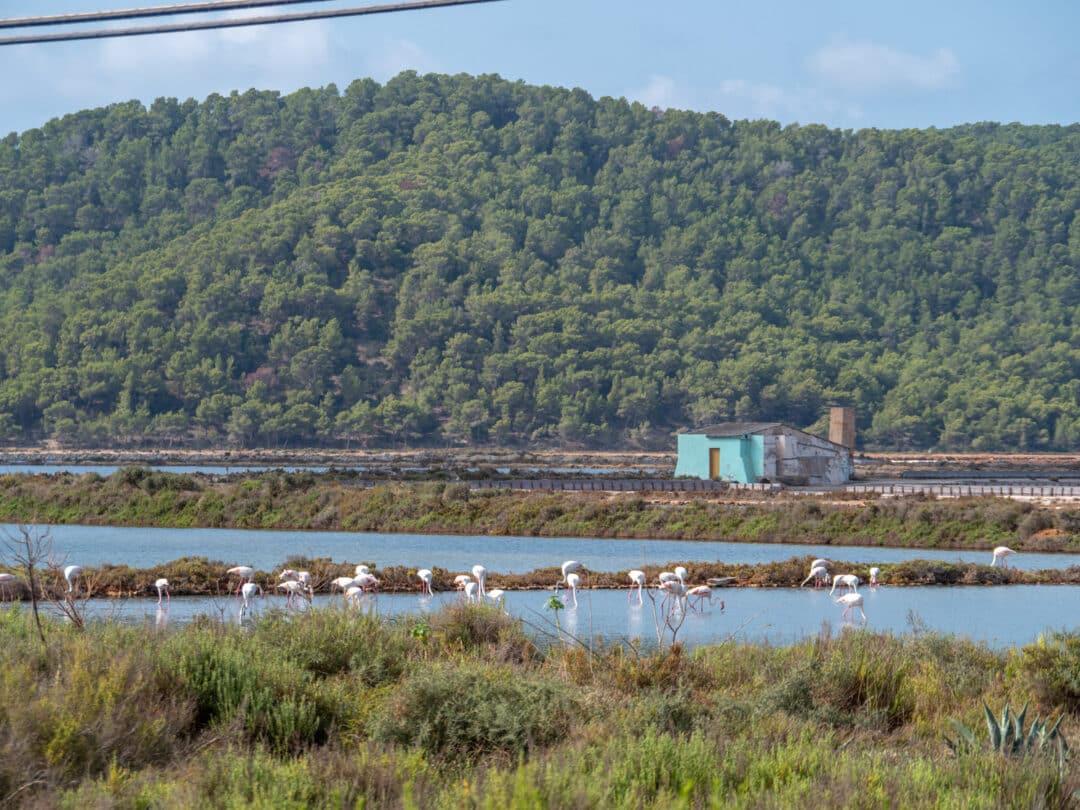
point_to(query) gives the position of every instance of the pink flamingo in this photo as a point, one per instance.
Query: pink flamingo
(567, 567)
(572, 583)
(246, 574)
(849, 581)
(162, 586)
(637, 578)
(480, 574)
(820, 575)
(249, 590)
(295, 589)
(850, 601)
(72, 573)
(1001, 554)
(698, 594)
(5, 580)
(425, 576)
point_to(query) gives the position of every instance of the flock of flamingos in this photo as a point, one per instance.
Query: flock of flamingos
(677, 594)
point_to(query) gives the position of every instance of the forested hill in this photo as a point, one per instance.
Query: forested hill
(466, 259)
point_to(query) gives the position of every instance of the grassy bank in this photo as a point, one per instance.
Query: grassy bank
(140, 497)
(459, 709)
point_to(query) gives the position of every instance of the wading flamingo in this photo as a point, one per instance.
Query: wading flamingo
(294, 589)
(850, 601)
(367, 582)
(567, 567)
(472, 591)
(246, 574)
(821, 562)
(637, 579)
(342, 583)
(875, 572)
(1001, 554)
(480, 575)
(425, 576)
(498, 596)
(248, 591)
(675, 589)
(572, 583)
(162, 586)
(845, 581)
(353, 594)
(72, 573)
(5, 580)
(678, 575)
(362, 569)
(820, 575)
(698, 594)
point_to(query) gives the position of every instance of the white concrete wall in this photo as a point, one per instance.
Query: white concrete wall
(813, 460)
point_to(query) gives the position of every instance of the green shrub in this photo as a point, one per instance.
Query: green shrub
(865, 675)
(1050, 669)
(233, 679)
(474, 711)
(330, 642)
(484, 629)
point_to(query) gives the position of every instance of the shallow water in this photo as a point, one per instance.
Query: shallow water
(1001, 617)
(106, 470)
(144, 548)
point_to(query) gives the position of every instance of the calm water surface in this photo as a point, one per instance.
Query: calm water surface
(1001, 617)
(143, 548)
(179, 469)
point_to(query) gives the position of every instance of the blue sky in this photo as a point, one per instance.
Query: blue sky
(844, 64)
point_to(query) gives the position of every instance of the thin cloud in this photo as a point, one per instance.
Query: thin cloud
(864, 66)
(272, 49)
(392, 56)
(660, 91)
(742, 98)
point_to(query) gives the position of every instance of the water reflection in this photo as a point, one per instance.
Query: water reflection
(1005, 616)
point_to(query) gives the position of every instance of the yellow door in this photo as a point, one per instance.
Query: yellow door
(714, 463)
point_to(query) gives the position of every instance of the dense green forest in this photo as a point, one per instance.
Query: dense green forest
(467, 260)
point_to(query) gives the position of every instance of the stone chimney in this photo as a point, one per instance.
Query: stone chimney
(842, 426)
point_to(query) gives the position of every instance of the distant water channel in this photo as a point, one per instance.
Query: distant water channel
(146, 547)
(106, 470)
(1000, 617)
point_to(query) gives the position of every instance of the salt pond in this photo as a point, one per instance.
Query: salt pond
(143, 548)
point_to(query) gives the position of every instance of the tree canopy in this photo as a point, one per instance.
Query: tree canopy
(471, 260)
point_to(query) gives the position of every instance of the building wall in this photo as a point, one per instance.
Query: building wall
(741, 457)
(811, 460)
(784, 454)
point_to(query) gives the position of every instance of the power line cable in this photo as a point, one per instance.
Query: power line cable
(152, 11)
(71, 36)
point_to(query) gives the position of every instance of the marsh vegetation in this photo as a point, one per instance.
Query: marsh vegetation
(461, 709)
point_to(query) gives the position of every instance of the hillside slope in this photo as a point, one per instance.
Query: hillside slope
(469, 260)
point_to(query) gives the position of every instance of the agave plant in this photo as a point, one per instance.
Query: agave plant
(1008, 737)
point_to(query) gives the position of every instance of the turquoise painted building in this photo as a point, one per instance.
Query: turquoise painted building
(751, 452)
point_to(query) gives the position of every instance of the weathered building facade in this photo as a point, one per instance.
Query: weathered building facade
(749, 452)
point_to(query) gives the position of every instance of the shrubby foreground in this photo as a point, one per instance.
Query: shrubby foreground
(462, 709)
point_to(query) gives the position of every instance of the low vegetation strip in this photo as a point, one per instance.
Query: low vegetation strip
(460, 709)
(199, 576)
(137, 496)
